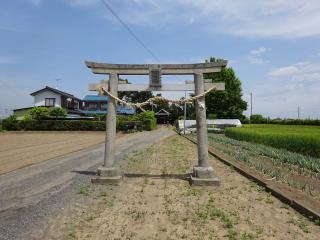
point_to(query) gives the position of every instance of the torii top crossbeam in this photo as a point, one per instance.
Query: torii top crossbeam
(166, 69)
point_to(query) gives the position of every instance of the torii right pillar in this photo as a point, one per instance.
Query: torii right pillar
(203, 173)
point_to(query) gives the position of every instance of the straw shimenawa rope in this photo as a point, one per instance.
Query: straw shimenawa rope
(150, 100)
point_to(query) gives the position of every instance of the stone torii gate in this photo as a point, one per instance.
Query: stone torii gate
(203, 173)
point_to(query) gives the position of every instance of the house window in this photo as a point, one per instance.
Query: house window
(92, 106)
(50, 102)
(76, 104)
(104, 106)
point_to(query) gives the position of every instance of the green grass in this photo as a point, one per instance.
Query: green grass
(296, 138)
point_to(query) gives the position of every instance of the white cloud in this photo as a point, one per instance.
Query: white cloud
(272, 18)
(256, 56)
(299, 72)
(276, 98)
(284, 71)
(259, 51)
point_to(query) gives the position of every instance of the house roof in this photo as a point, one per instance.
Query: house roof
(68, 95)
(162, 112)
(120, 110)
(19, 109)
(95, 98)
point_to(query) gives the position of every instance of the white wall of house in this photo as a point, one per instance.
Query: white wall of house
(39, 98)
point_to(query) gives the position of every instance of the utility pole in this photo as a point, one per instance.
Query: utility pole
(298, 112)
(250, 104)
(185, 113)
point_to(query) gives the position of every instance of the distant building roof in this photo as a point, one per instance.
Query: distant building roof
(20, 109)
(162, 112)
(95, 98)
(68, 95)
(120, 110)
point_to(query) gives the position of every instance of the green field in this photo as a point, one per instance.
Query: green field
(296, 138)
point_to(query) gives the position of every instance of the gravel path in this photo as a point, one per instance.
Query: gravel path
(30, 197)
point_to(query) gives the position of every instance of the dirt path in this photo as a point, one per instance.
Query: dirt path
(147, 208)
(31, 196)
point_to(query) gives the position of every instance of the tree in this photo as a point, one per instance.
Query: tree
(228, 103)
(175, 111)
(39, 113)
(257, 118)
(57, 112)
(135, 96)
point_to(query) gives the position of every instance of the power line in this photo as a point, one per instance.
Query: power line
(129, 30)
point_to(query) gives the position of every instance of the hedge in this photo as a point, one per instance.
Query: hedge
(143, 121)
(62, 125)
(259, 119)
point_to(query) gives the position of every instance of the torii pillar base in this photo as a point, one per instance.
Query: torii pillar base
(108, 176)
(203, 176)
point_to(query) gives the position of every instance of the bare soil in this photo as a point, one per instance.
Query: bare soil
(20, 149)
(149, 208)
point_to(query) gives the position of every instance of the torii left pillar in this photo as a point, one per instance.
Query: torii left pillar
(109, 173)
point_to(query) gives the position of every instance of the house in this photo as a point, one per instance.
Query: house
(51, 97)
(75, 107)
(97, 104)
(162, 116)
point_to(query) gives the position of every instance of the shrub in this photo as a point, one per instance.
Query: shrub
(33, 122)
(62, 125)
(257, 118)
(11, 123)
(39, 113)
(148, 120)
(212, 116)
(100, 117)
(57, 112)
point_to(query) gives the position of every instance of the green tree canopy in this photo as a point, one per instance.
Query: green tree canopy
(135, 96)
(57, 112)
(39, 113)
(228, 103)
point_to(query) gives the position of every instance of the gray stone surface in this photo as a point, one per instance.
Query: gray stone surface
(143, 69)
(111, 123)
(202, 135)
(107, 180)
(204, 181)
(109, 172)
(163, 87)
(203, 172)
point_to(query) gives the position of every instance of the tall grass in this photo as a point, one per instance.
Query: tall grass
(300, 139)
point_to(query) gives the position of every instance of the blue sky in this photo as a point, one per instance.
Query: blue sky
(272, 45)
